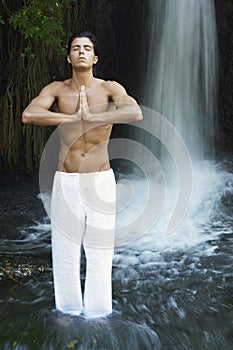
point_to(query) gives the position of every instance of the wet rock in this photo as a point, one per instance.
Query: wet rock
(224, 16)
(19, 202)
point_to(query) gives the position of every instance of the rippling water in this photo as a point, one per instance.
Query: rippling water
(169, 291)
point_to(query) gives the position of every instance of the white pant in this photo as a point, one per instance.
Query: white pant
(83, 212)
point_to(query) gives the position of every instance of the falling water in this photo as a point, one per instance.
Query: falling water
(181, 70)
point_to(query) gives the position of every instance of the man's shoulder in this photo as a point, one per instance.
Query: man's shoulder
(113, 87)
(60, 84)
(55, 87)
(111, 83)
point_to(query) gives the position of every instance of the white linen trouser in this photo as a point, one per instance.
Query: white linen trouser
(83, 212)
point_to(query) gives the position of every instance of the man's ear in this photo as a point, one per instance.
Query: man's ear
(68, 59)
(96, 59)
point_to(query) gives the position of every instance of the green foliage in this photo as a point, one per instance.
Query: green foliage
(1, 20)
(27, 53)
(41, 21)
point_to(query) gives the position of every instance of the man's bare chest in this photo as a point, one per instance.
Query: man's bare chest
(69, 102)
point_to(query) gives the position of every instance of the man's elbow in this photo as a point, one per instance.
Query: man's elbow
(138, 114)
(26, 117)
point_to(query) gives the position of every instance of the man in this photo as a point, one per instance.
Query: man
(83, 196)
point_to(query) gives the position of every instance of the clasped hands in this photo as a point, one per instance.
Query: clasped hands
(84, 112)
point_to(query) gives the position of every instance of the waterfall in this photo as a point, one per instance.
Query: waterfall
(181, 70)
(178, 127)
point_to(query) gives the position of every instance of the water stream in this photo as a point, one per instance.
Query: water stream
(181, 77)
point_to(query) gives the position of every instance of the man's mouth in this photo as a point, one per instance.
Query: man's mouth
(82, 59)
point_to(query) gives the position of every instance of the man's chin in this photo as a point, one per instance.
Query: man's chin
(82, 67)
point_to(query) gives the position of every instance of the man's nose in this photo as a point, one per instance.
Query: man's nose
(81, 51)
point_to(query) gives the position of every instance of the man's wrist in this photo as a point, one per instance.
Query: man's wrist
(87, 117)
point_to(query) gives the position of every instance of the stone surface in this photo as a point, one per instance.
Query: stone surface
(224, 16)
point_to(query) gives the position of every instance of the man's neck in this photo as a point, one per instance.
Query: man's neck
(82, 78)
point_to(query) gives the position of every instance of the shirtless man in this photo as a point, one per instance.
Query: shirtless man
(82, 109)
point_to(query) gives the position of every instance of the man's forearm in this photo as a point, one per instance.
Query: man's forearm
(126, 114)
(41, 116)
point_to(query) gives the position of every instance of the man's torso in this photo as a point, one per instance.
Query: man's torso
(84, 146)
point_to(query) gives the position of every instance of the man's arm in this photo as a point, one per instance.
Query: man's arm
(37, 112)
(127, 109)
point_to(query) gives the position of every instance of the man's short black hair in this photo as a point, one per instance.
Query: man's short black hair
(85, 34)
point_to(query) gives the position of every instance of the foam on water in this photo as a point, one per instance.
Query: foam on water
(205, 220)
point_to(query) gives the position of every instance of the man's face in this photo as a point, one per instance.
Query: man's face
(82, 53)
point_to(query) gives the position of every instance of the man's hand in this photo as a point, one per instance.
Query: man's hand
(84, 108)
(83, 112)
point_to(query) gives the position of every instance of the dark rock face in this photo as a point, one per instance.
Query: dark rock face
(224, 14)
(120, 30)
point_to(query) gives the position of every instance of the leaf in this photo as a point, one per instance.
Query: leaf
(72, 344)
